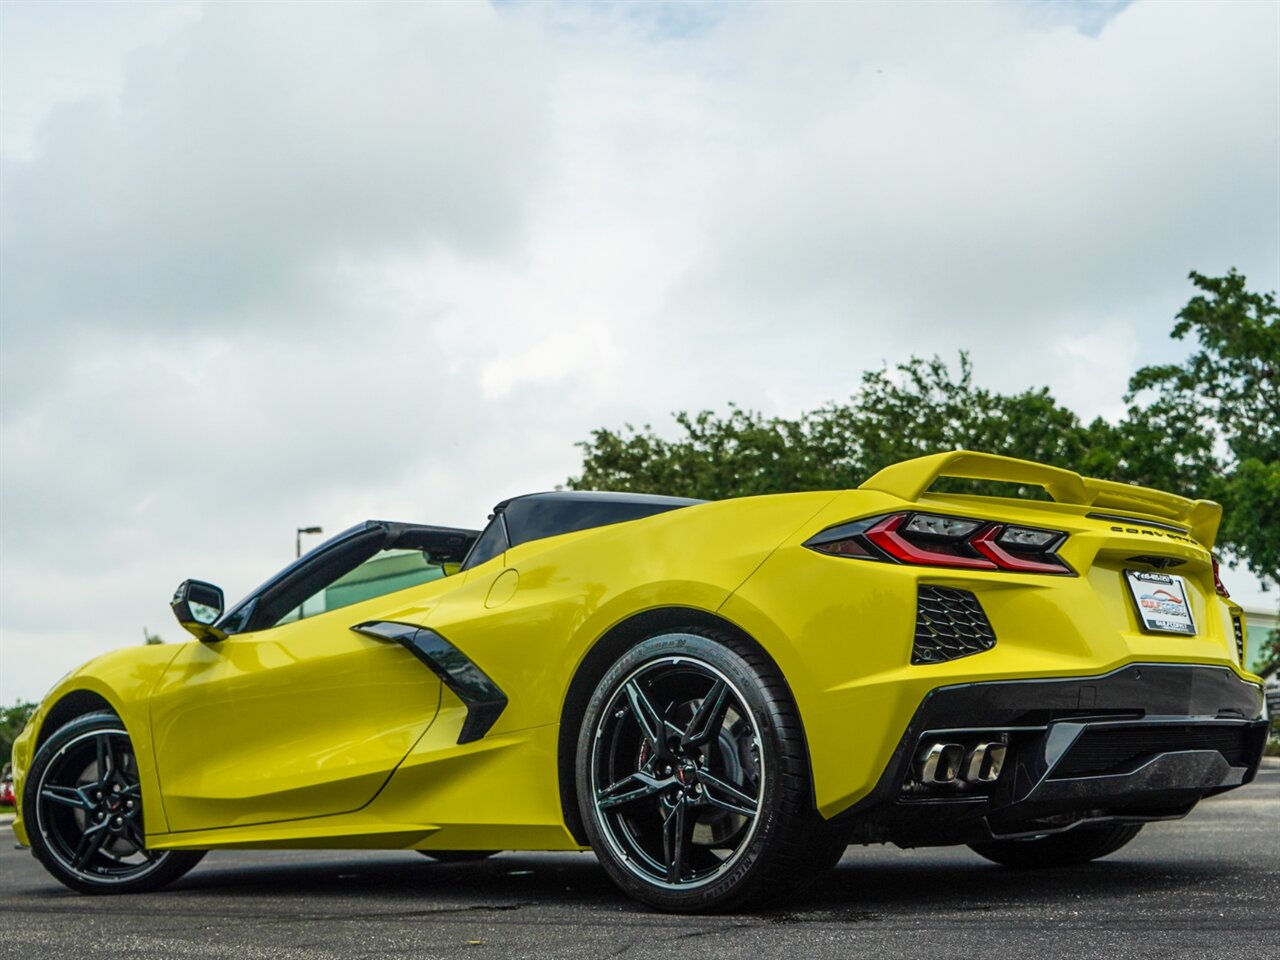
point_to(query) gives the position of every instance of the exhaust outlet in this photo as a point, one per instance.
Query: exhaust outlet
(939, 762)
(985, 763)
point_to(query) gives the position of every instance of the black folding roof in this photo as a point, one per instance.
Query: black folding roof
(538, 515)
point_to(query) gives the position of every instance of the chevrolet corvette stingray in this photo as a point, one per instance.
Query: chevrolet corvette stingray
(717, 698)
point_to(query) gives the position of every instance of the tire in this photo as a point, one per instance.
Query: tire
(82, 804)
(692, 777)
(1060, 849)
(458, 856)
(827, 845)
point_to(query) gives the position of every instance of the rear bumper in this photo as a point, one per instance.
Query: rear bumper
(1145, 742)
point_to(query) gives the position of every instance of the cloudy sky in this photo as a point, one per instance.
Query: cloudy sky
(273, 265)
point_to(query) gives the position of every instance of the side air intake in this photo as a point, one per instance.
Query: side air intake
(949, 624)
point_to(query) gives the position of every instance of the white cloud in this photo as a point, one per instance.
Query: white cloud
(67, 52)
(1095, 365)
(270, 265)
(260, 145)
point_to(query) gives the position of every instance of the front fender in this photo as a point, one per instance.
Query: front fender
(123, 679)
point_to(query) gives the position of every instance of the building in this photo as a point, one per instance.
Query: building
(1258, 622)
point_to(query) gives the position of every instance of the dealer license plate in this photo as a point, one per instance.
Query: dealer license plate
(1162, 602)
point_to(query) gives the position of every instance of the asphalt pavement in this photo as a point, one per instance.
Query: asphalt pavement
(1206, 886)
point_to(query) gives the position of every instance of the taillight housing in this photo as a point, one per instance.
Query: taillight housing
(1218, 585)
(936, 540)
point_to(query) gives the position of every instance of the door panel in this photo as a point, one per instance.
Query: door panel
(304, 719)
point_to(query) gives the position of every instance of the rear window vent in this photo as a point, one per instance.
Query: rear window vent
(949, 624)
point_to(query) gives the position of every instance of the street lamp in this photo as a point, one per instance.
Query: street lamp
(298, 540)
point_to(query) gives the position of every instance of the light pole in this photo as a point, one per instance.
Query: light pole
(298, 539)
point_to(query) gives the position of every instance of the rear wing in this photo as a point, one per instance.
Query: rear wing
(911, 478)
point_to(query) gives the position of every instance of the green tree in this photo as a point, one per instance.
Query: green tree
(12, 720)
(1232, 383)
(916, 408)
(1207, 427)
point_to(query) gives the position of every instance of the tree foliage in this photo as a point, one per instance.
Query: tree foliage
(1207, 427)
(12, 720)
(1232, 382)
(916, 408)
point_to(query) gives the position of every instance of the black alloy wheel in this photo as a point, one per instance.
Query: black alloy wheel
(677, 773)
(693, 778)
(82, 806)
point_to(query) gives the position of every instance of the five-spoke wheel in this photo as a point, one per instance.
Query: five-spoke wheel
(676, 772)
(83, 807)
(692, 778)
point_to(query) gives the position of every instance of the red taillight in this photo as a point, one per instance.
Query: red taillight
(1218, 585)
(885, 536)
(847, 548)
(925, 539)
(985, 544)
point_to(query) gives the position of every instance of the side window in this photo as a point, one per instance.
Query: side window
(491, 543)
(371, 559)
(383, 573)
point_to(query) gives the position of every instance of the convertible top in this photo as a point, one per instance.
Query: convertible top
(536, 516)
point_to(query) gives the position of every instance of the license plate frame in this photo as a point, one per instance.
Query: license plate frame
(1161, 602)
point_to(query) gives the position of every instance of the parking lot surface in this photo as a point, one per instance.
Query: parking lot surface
(1206, 886)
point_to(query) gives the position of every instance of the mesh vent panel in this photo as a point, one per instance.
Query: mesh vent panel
(949, 624)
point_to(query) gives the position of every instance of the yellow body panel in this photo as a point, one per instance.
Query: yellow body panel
(124, 679)
(847, 658)
(309, 734)
(306, 719)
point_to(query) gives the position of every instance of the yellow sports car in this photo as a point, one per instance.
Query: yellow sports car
(715, 697)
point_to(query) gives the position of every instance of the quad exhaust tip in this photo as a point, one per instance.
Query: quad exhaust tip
(947, 762)
(985, 763)
(940, 762)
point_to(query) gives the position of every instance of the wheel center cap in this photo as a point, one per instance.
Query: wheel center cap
(686, 772)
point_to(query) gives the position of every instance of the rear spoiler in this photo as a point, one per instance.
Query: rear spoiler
(911, 478)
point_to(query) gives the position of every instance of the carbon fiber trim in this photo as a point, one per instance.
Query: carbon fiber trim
(483, 698)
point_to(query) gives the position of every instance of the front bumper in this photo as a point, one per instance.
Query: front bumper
(1145, 742)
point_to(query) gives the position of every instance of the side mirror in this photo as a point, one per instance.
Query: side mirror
(198, 605)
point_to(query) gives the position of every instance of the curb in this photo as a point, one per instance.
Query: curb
(1271, 761)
